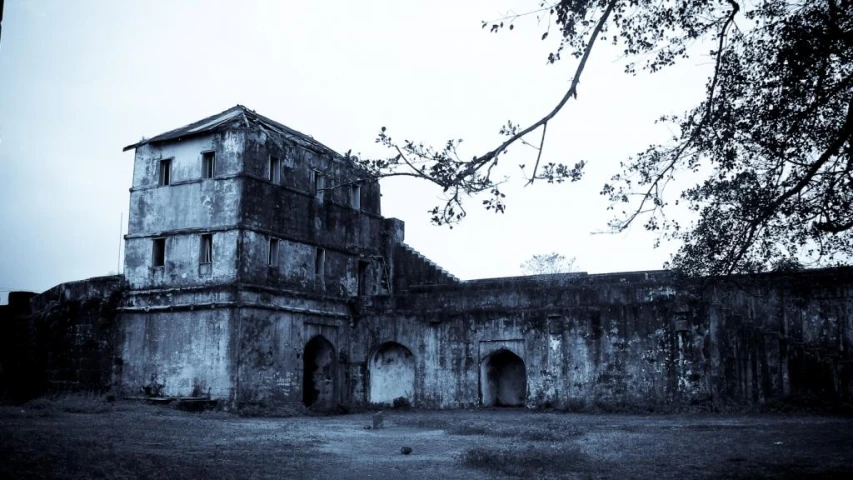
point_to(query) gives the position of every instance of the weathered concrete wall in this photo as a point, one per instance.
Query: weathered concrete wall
(278, 363)
(183, 267)
(635, 339)
(201, 204)
(61, 340)
(339, 274)
(186, 158)
(793, 336)
(178, 353)
(298, 165)
(392, 374)
(184, 210)
(291, 210)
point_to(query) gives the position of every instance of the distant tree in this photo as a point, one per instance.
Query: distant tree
(548, 263)
(786, 265)
(773, 136)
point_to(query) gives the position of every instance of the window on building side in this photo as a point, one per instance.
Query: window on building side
(361, 278)
(158, 253)
(274, 170)
(319, 185)
(272, 252)
(165, 172)
(320, 263)
(206, 249)
(208, 164)
(355, 197)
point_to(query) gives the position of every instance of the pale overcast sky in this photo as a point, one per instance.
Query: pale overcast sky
(81, 79)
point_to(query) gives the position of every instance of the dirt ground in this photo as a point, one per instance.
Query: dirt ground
(129, 440)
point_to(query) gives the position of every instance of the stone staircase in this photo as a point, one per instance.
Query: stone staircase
(413, 268)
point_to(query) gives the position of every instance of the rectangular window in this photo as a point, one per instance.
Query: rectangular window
(320, 263)
(355, 197)
(165, 172)
(362, 278)
(274, 170)
(272, 252)
(158, 253)
(206, 249)
(319, 185)
(208, 164)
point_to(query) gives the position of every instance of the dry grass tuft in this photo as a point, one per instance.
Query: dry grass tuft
(531, 462)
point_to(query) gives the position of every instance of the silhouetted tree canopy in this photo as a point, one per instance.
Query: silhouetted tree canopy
(772, 138)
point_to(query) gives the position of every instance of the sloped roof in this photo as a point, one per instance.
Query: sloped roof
(237, 115)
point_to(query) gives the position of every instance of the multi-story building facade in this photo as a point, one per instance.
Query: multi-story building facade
(243, 231)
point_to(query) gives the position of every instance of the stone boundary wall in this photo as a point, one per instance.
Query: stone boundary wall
(64, 341)
(637, 339)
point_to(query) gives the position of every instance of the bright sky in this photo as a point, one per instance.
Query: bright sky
(80, 80)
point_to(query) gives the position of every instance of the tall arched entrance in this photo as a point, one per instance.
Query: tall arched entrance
(503, 380)
(392, 374)
(318, 374)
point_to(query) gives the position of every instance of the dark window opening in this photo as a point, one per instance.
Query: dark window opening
(159, 252)
(272, 252)
(320, 263)
(362, 278)
(208, 164)
(355, 197)
(206, 249)
(274, 170)
(165, 172)
(319, 185)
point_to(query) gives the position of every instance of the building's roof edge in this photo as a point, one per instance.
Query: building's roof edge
(196, 128)
(249, 116)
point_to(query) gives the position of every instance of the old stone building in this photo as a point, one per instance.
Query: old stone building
(259, 271)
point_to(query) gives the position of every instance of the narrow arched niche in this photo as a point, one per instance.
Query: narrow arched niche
(318, 374)
(503, 380)
(392, 374)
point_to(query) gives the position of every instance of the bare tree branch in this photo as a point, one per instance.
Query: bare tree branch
(571, 92)
(539, 155)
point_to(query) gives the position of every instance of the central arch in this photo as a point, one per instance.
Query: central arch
(318, 374)
(503, 380)
(392, 374)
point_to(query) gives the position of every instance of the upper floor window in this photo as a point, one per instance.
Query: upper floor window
(355, 197)
(208, 164)
(319, 185)
(158, 253)
(206, 249)
(274, 170)
(272, 252)
(165, 172)
(320, 263)
(361, 278)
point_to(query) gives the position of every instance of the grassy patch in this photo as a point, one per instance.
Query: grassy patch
(531, 431)
(531, 462)
(69, 403)
(141, 441)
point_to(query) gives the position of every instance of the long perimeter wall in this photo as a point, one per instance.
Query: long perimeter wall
(637, 339)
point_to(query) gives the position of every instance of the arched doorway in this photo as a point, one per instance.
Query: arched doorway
(503, 380)
(318, 374)
(392, 374)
